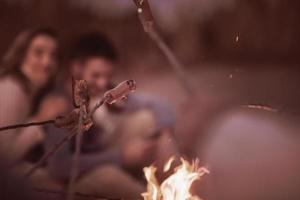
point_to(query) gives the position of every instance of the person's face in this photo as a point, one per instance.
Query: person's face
(97, 72)
(40, 62)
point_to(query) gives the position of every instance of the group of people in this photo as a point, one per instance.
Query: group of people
(125, 137)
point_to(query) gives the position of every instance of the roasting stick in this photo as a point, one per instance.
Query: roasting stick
(15, 126)
(39, 123)
(146, 18)
(111, 96)
(69, 121)
(75, 160)
(52, 151)
(178, 68)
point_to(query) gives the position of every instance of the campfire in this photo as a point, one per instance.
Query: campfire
(177, 185)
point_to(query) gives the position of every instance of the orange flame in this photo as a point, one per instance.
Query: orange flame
(177, 185)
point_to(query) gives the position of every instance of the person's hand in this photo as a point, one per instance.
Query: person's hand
(51, 107)
(138, 152)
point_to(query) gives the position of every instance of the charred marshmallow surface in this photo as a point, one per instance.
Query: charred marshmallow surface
(120, 91)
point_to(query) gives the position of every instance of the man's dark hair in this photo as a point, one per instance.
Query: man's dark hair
(93, 44)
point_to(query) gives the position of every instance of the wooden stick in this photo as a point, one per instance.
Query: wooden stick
(57, 146)
(52, 151)
(172, 59)
(146, 19)
(75, 160)
(98, 104)
(15, 126)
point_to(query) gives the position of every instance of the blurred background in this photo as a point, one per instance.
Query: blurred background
(248, 48)
(235, 52)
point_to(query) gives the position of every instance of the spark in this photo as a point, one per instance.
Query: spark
(261, 107)
(237, 39)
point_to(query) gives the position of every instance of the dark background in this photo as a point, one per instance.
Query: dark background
(268, 30)
(262, 67)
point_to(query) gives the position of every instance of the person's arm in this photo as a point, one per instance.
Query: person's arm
(14, 109)
(61, 163)
(27, 139)
(14, 106)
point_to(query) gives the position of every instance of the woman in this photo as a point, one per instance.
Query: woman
(27, 67)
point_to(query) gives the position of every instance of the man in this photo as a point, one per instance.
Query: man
(125, 136)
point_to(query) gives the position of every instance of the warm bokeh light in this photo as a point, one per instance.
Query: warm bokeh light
(177, 185)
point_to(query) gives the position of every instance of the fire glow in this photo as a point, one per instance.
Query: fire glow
(177, 185)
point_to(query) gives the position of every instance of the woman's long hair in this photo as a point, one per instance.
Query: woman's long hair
(14, 57)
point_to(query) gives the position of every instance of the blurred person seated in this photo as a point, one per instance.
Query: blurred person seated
(27, 67)
(125, 137)
(251, 151)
